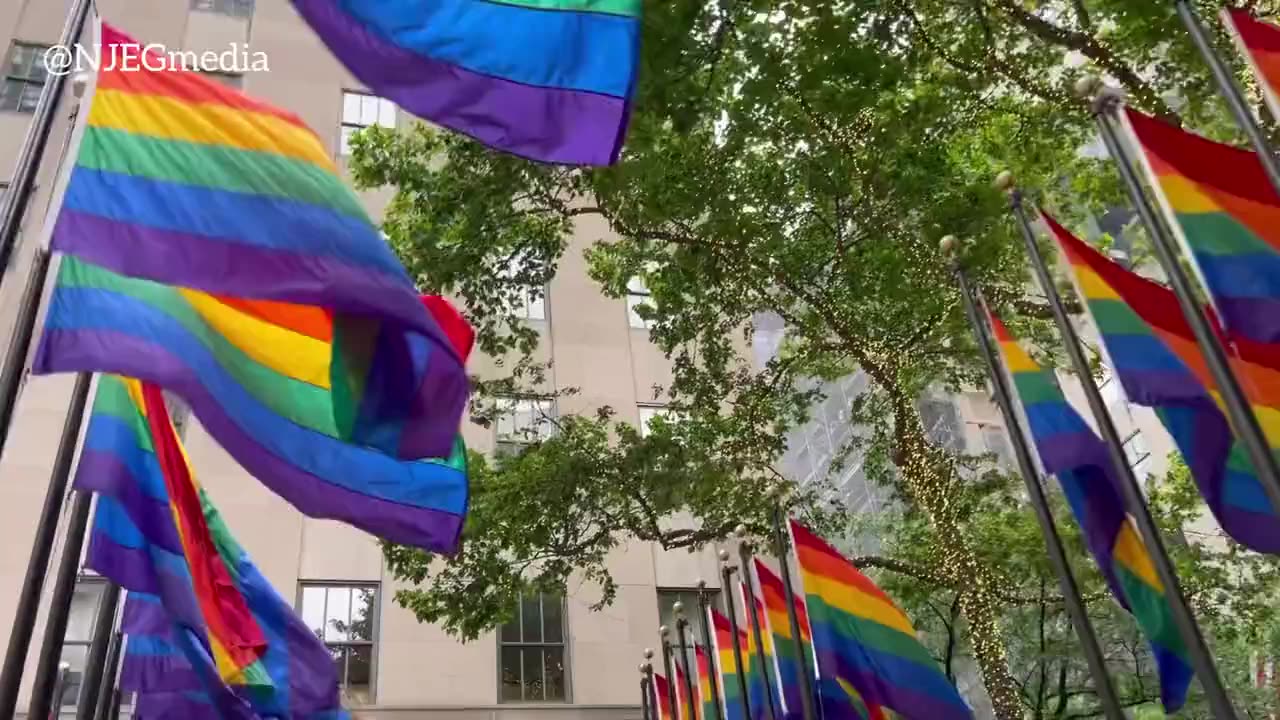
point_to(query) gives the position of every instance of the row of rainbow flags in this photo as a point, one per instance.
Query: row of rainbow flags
(210, 249)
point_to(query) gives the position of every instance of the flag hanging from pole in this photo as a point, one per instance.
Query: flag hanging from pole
(777, 622)
(706, 676)
(723, 642)
(1151, 350)
(763, 675)
(550, 80)
(1259, 43)
(686, 711)
(1068, 449)
(662, 697)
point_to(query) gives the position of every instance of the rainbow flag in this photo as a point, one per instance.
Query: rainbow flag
(706, 675)
(722, 640)
(761, 676)
(1152, 351)
(155, 532)
(1223, 208)
(1070, 450)
(777, 623)
(219, 354)
(862, 639)
(682, 703)
(550, 80)
(1259, 42)
(182, 181)
(662, 697)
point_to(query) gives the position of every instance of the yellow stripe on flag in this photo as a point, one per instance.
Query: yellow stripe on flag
(855, 602)
(1130, 552)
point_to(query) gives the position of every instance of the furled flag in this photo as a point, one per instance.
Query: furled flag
(1259, 42)
(722, 642)
(1152, 351)
(1070, 450)
(682, 696)
(862, 638)
(1223, 208)
(706, 698)
(155, 532)
(550, 80)
(662, 697)
(182, 181)
(251, 371)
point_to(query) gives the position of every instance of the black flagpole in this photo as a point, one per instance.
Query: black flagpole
(104, 625)
(646, 669)
(712, 667)
(24, 618)
(1057, 555)
(753, 618)
(726, 574)
(1243, 422)
(1230, 91)
(110, 676)
(665, 632)
(1184, 619)
(784, 566)
(22, 187)
(681, 624)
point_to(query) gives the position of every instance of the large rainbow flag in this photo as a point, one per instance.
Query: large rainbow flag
(1259, 42)
(156, 533)
(219, 355)
(1069, 449)
(1227, 214)
(185, 182)
(1152, 351)
(862, 639)
(550, 80)
(722, 641)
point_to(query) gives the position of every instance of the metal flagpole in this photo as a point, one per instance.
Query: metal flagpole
(753, 618)
(104, 625)
(712, 668)
(110, 677)
(651, 694)
(1057, 555)
(665, 632)
(726, 573)
(645, 669)
(780, 540)
(23, 182)
(24, 618)
(681, 624)
(1231, 92)
(1201, 659)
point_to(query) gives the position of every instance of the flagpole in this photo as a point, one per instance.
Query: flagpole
(712, 670)
(1230, 91)
(726, 573)
(681, 623)
(36, 142)
(104, 625)
(646, 668)
(1184, 619)
(753, 618)
(24, 618)
(1243, 421)
(793, 618)
(665, 632)
(110, 677)
(1057, 555)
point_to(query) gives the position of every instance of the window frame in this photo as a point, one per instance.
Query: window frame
(9, 75)
(524, 308)
(99, 585)
(375, 608)
(638, 294)
(521, 439)
(692, 613)
(564, 645)
(1139, 461)
(344, 139)
(226, 8)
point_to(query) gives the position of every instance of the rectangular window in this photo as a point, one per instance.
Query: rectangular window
(234, 81)
(362, 110)
(234, 8)
(693, 631)
(648, 413)
(24, 77)
(75, 644)
(531, 652)
(530, 302)
(1138, 454)
(522, 422)
(637, 295)
(344, 617)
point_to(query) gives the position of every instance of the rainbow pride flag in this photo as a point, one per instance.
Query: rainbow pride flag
(1223, 208)
(662, 697)
(862, 639)
(182, 181)
(220, 355)
(1069, 449)
(760, 676)
(789, 663)
(722, 642)
(1152, 351)
(706, 675)
(682, 697)
(550, 80)
(1259, 43)
(156, 533)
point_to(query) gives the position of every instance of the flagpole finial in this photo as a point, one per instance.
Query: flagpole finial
(677, 608)
(1088, 86)
(1005, 182)
(648, 654)
(724, 556)
(644, 668)
(948, 245)
(740, 530)
(663, 630)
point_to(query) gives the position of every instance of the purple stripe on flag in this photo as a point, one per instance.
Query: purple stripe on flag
(134, 569)
(158, 673)
(104, 473)
(85, 351)
(142, 617)
(545, 124)
(902, 700)
(159, 706)
(1256, 317)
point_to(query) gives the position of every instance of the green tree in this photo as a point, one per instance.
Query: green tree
(800, 157)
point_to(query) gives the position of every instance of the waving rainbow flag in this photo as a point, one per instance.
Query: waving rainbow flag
(1259, 42)
(1070, 450)
(1224, 209)
(722, 640)
(1152, 351)
(550, 80)
(182, 181)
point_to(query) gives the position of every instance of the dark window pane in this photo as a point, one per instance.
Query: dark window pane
(10, 94)
(30, 97)
(511, 674)
(511, 630)
(340, 663)
(532, 662)
(360, 673)
(554, 668)
(532, 619)
(552, 620)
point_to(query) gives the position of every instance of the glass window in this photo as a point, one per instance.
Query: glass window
(693, 631)
(648, 413)
(24, 77)
(231, 80)
(343, 617)
(75, 644)
(531, 652)
(362, 110)
(234, 8)
(530, 303)
(523, 421)
(1138, 454)
(637, 295)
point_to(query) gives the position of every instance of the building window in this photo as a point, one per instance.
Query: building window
(532, 652)
(1112, 393)
(522, 422)
(24, 78)
(362, 110)
(530, 301)
(75, 644)
(235, 81)
(637, 295)
(693, 631)
(1138, 454)
(343, 617)
(648, 413)
(234, 8)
